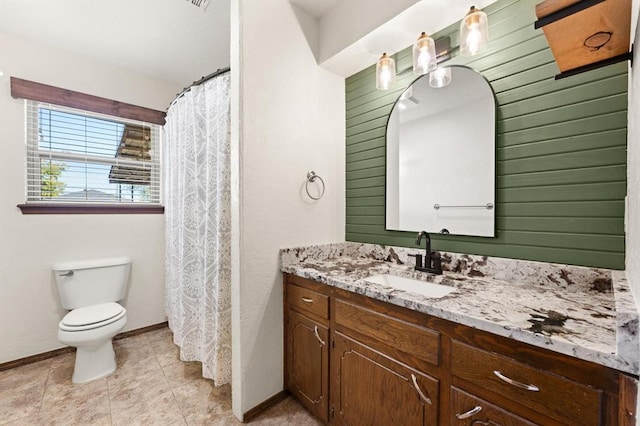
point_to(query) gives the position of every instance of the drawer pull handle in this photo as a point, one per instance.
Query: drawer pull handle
(422, 395)
(307, 300)
(475, 410)
(315, 330)
(512, 382)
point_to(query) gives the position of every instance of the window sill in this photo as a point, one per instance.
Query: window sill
(46, 208)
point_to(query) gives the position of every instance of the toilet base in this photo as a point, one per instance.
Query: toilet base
(95, 357)
(93, 363)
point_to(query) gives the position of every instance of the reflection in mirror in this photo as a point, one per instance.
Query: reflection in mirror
(441, 157)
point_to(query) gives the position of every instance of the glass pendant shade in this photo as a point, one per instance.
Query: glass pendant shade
(424, 54)
(474, 32)
(385, 72)
(440, 77)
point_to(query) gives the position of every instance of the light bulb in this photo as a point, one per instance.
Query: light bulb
(474, 39)
(385, 77)
(424, 58)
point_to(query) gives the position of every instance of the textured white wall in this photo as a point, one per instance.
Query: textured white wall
(30, 244)
(288, 119)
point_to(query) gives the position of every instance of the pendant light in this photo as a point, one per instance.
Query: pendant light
(385, 72)
(474, 33)
(424, 54)
(440, 77)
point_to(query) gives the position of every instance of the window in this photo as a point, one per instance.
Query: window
(87, 154)
(85, 158)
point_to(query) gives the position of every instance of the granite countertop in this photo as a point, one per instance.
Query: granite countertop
(588, 313)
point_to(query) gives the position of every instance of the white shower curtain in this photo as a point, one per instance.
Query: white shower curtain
(198, 227)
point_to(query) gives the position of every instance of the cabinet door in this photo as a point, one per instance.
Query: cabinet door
(370, 388)
(467, 409)
(308, 363)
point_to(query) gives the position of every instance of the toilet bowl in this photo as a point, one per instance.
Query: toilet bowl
(90, 329)
(90, 290)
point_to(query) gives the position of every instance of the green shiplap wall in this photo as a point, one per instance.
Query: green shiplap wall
(561, 150)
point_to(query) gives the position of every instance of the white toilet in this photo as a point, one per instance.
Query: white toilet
(90, 289)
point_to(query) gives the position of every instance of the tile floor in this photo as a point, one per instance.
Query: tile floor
(151, 387)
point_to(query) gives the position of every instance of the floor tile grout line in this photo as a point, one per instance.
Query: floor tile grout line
(46, 385)
(164, 373)
(109, 396)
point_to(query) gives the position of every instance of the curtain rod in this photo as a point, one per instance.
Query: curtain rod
(204, 79)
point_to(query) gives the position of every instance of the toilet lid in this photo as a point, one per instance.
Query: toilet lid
(84, 318)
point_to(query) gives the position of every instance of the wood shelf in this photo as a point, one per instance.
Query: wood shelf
(586, 34)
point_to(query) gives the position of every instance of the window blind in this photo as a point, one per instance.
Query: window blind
(74, 156)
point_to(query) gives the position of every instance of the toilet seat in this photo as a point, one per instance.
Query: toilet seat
(91, 317)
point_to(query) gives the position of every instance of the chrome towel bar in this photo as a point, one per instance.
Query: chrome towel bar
(487, 206)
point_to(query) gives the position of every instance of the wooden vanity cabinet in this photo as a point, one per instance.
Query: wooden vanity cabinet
(381, 364)
(307, 348)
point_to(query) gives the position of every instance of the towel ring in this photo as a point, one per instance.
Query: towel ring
(311, 177)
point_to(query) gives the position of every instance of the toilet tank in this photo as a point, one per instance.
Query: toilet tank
(91, 282)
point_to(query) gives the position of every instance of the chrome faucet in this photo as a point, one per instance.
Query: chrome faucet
(432, 262)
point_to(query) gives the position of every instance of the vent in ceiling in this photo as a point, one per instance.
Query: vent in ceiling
(202, 4)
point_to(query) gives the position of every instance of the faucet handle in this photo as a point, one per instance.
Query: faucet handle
(418, 259)
(437, 261)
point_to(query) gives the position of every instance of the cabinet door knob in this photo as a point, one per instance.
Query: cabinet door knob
(532, 388)
(422, 395)
(307, 300)
(475, 410)
(315, 330)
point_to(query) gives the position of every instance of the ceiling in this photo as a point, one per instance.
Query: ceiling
(168, 39)
(176, 41)
(316, 8)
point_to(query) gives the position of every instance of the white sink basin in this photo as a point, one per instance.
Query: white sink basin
(422, 288)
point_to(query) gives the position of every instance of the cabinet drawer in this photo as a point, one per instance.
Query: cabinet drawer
(417, 341)
(309, 301)
(548, 394)
(467, 409)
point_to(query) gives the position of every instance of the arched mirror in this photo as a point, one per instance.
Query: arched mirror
(441, 155)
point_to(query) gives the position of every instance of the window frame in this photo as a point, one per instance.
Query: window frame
(38, 92)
